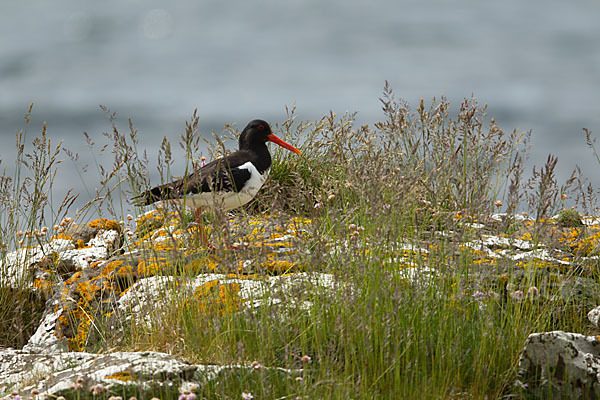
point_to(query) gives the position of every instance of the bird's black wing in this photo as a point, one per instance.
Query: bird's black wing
(224, 178)
(223, 174)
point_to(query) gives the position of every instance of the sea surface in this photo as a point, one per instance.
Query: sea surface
(535, 63)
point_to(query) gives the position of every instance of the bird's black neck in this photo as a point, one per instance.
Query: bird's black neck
(260, 156)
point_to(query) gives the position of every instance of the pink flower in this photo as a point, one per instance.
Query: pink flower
(187, 395)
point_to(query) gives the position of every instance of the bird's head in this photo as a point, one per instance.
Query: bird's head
(259, 131)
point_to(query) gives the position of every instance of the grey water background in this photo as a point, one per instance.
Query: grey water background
(536, 64)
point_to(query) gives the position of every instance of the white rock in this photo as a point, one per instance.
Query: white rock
(594, 316)
(44, 338)
(55, 373)
(540, 254)
(570, 362)
(163, 291)
(500, 241)
(518, 217)
(474, 225)
(590, 220)
(15, 265)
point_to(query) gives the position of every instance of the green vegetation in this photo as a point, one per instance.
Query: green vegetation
(569, 218)
(417, 314)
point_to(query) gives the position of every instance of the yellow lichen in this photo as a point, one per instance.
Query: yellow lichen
(215, 298)
(526, 236)
(124, 376)
(152, 220)
(125, 271)
(201, 265)
(44, 286)
(62, 236)
(80, 318)
(87, 290)
(279, 266)
(151, 267)
(110, 267)
(75, 277)
(106, 224)
(579, 244)
(77, 343)
(166, 245)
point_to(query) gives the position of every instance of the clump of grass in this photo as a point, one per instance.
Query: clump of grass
(418, 168)
(570, 218)
(27, 208)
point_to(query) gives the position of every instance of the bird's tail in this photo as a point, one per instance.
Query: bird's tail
(148, 197)
(140, 200)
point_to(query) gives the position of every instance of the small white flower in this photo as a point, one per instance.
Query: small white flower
(478, 295)
(256, 365)
(533, 291)
(517, 295)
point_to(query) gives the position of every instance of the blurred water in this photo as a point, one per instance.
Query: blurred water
(535, 63)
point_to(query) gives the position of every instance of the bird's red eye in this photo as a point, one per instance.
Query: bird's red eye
(261, 127)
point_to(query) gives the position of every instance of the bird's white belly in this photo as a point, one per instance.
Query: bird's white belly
(229, 200)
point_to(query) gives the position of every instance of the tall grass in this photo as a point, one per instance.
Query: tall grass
(416, 314)
(26, 207)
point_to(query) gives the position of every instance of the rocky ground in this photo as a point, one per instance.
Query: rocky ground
(106, 273)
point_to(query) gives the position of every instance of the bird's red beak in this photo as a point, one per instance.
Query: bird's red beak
(283, 144)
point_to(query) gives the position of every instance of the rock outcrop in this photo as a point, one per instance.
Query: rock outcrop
(106, 273)
(561, 365)
(101, 272)
(125, 374)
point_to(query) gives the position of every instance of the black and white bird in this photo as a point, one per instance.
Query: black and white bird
(226, 183)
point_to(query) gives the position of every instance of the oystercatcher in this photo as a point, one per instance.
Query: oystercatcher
(226, 183)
